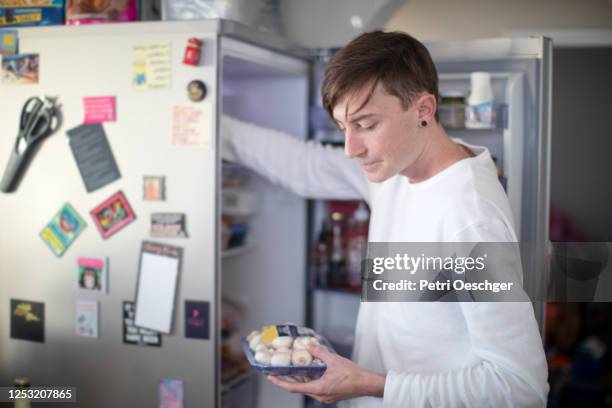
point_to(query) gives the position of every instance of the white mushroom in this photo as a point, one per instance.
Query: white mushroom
(282, 342)
(281, 358)
(301, 357)
(301, 342)
(252, 334)
(263, 357)
(261, 347)
(255, 340)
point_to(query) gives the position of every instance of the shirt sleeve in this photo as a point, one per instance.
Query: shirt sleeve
(306, 168)
(512, 369)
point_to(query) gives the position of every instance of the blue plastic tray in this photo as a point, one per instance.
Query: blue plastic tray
(301, 373)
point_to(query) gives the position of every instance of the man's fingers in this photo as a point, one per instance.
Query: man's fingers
(302, 388)
(320, 352)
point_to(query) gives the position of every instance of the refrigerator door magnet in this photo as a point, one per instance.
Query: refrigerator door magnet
(93, 156)
(168, 225)
(196, 90)
(8, 41)
(113, 214)
(39, 119)
(154, 188)
(20, 69)
(192, 52)
(63, 229)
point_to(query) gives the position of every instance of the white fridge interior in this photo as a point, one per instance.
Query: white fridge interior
(267, 277)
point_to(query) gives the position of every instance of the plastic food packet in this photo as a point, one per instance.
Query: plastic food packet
(280, 350)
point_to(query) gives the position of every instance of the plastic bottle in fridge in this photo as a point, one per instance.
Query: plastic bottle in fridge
(480, 112)
(357, 242)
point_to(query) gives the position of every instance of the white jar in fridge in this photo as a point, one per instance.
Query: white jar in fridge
(480, 112)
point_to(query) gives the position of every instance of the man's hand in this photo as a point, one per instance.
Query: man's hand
(342, 380)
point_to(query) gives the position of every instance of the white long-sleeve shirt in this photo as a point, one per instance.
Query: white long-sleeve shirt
(433, 354)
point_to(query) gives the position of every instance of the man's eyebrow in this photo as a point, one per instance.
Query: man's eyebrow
(362, 117)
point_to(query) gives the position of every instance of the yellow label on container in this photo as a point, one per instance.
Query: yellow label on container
(268, 334)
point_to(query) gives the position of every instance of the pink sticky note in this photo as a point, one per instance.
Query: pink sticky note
(99, 109)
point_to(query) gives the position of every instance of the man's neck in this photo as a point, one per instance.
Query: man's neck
(439, 153)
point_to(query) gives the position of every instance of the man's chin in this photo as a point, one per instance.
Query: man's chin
(377, 177)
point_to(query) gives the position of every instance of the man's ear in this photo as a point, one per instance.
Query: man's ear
(426, 106)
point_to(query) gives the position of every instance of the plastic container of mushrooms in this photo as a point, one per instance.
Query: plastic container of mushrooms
(281, 350)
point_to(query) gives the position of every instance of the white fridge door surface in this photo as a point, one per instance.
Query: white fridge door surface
(78, 62)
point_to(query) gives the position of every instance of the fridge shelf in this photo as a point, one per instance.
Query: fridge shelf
(237, 251)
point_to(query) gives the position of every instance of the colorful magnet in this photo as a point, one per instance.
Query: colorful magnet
(63, 229)
(154, 188)
(99, 109)
(169, 225)
(113, 214)
(192, 52)
(8, 42)
(197, 319)
(20, 69)
(27, 320)
(196, 90)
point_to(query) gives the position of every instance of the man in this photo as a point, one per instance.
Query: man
(381, 90)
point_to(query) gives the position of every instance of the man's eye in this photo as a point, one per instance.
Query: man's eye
(367, 126)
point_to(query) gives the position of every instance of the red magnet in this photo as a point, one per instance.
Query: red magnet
(192, 52)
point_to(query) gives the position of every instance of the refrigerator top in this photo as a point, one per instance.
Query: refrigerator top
(222, 27)
(489, 49)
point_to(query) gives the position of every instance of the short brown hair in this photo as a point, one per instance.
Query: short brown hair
(395, 59)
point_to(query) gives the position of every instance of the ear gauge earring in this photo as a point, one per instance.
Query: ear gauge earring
(423, 124)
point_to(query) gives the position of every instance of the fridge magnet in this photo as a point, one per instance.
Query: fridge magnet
(39, 119)
(190, 127)
(20, 69)
(65, 226)
(8, 42)
(156, 288)
(197, 319)
(170, 393)
(151, 66)
(154, 188)
(196, 90)
(192, 52)
(99, 109)
(113, 214)
(27, 320)
(87, 318)
(93, 156)
(93, 274)
(168, 225)
(136, 335)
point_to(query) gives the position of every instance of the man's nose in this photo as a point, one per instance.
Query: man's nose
(353, 144)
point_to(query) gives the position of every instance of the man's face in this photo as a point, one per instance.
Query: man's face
(382, 135)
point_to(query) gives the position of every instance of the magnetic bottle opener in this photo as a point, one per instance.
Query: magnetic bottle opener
(39, 119)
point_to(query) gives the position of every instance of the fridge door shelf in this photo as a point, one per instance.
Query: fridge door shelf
(237, 251)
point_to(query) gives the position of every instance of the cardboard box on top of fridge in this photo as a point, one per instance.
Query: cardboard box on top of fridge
(23, 13)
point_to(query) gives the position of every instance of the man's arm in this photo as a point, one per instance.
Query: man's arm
(307, 169)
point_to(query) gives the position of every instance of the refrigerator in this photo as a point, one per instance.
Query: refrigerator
(257, 78)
